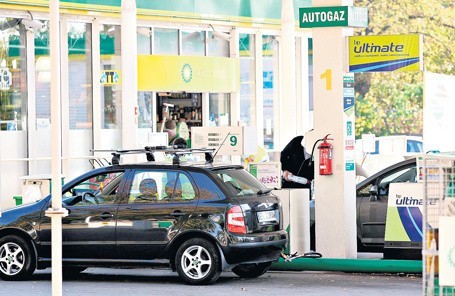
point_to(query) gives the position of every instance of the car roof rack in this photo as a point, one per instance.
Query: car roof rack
(177, 151)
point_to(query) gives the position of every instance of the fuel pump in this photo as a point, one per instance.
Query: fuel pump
(325, 156)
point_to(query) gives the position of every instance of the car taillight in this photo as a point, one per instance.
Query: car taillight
(235, 220)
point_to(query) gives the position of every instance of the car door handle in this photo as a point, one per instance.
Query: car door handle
(106, 216)
(177, 214)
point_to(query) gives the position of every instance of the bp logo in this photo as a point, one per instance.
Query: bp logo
(5, 79)
(187, 73)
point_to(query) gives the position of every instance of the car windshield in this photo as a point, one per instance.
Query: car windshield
(240, 183)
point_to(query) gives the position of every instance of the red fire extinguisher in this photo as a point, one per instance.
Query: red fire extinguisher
(325, 157)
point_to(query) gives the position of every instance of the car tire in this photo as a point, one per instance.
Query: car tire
(251, 270)
(198, 262)
(17, 259)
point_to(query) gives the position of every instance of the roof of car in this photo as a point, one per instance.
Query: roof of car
(202, 165)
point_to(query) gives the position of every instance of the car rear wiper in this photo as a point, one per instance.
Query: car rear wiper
(261, 192)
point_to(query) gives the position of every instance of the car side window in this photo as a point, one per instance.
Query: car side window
(184, 190)
(100, 189)
(365, 190)
(408, 174)
(208, 190)
(160, 187)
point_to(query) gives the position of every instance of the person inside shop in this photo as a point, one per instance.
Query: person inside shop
(296, 161)
(179, 143)
(170, 129)
(183, 131)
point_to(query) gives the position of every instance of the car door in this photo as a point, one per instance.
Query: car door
(89, 229)
(159, 202)
(372, 201)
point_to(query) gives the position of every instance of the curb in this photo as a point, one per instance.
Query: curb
(350, 265)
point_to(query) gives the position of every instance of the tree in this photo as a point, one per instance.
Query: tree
(392, 103)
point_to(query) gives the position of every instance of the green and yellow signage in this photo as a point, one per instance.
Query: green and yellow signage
(188, 73)
(333, 16)
(385, 53)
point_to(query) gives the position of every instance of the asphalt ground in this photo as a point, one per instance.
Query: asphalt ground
(146, 281)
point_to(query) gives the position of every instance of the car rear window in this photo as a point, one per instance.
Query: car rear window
(239, 182)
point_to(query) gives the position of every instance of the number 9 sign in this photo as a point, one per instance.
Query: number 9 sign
(233, 140)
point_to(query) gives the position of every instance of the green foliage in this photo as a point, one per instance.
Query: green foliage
(392, 103)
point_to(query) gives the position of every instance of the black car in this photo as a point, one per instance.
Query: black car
(371, 208)
(201, 218)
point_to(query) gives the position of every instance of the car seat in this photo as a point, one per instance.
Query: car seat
(169, 190)
(147, 191)
(174, 189)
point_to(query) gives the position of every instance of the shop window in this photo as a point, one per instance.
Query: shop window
(111, 91)
(145, 104)
(270, 67)
(43, 78)
(166, 41)
(219, 109)
(187, 108)
(193, 43)
(80, 75)
(13, 75)
(144, 40)
(218, 44)
(247, 79)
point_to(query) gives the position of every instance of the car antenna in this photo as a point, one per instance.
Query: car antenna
(219, 147)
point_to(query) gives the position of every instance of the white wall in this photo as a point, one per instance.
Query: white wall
(13, 145)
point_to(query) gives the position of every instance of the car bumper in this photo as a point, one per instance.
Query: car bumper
(255, 248)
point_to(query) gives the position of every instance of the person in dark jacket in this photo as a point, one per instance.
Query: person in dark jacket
(295, 161)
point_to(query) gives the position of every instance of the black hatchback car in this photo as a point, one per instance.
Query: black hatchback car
(200, 218)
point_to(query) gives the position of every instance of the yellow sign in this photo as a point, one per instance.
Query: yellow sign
(188, 73)
(385, 53)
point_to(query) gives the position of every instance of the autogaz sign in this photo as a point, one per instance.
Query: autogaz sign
(333, 16)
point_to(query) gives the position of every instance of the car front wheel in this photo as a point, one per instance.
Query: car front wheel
(251, 270)
(198, 262)
(16, 258)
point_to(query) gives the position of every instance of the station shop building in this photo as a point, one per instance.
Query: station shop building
(222, 65)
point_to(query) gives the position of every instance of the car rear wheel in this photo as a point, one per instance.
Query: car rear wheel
(198, 262)
(251, 270)
(16, 258)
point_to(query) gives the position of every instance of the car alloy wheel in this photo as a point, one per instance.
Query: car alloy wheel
(12, 259)
(16, 258)
(198, 262)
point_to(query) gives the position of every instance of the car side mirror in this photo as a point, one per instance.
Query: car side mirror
(374, 193)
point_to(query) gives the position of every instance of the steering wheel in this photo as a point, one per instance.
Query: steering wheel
(93, 201)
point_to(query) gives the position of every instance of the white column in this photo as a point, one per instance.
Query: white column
(129, 73)
(56, 212)
(335, 210)
(235, 96)
(96, 70)
(288, 126)
(259, 88)
(205, 109)
(304, 122)
(31, 102)
(65, 94)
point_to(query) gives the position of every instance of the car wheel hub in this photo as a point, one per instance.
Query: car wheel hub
(11, 259)
(196, 262)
